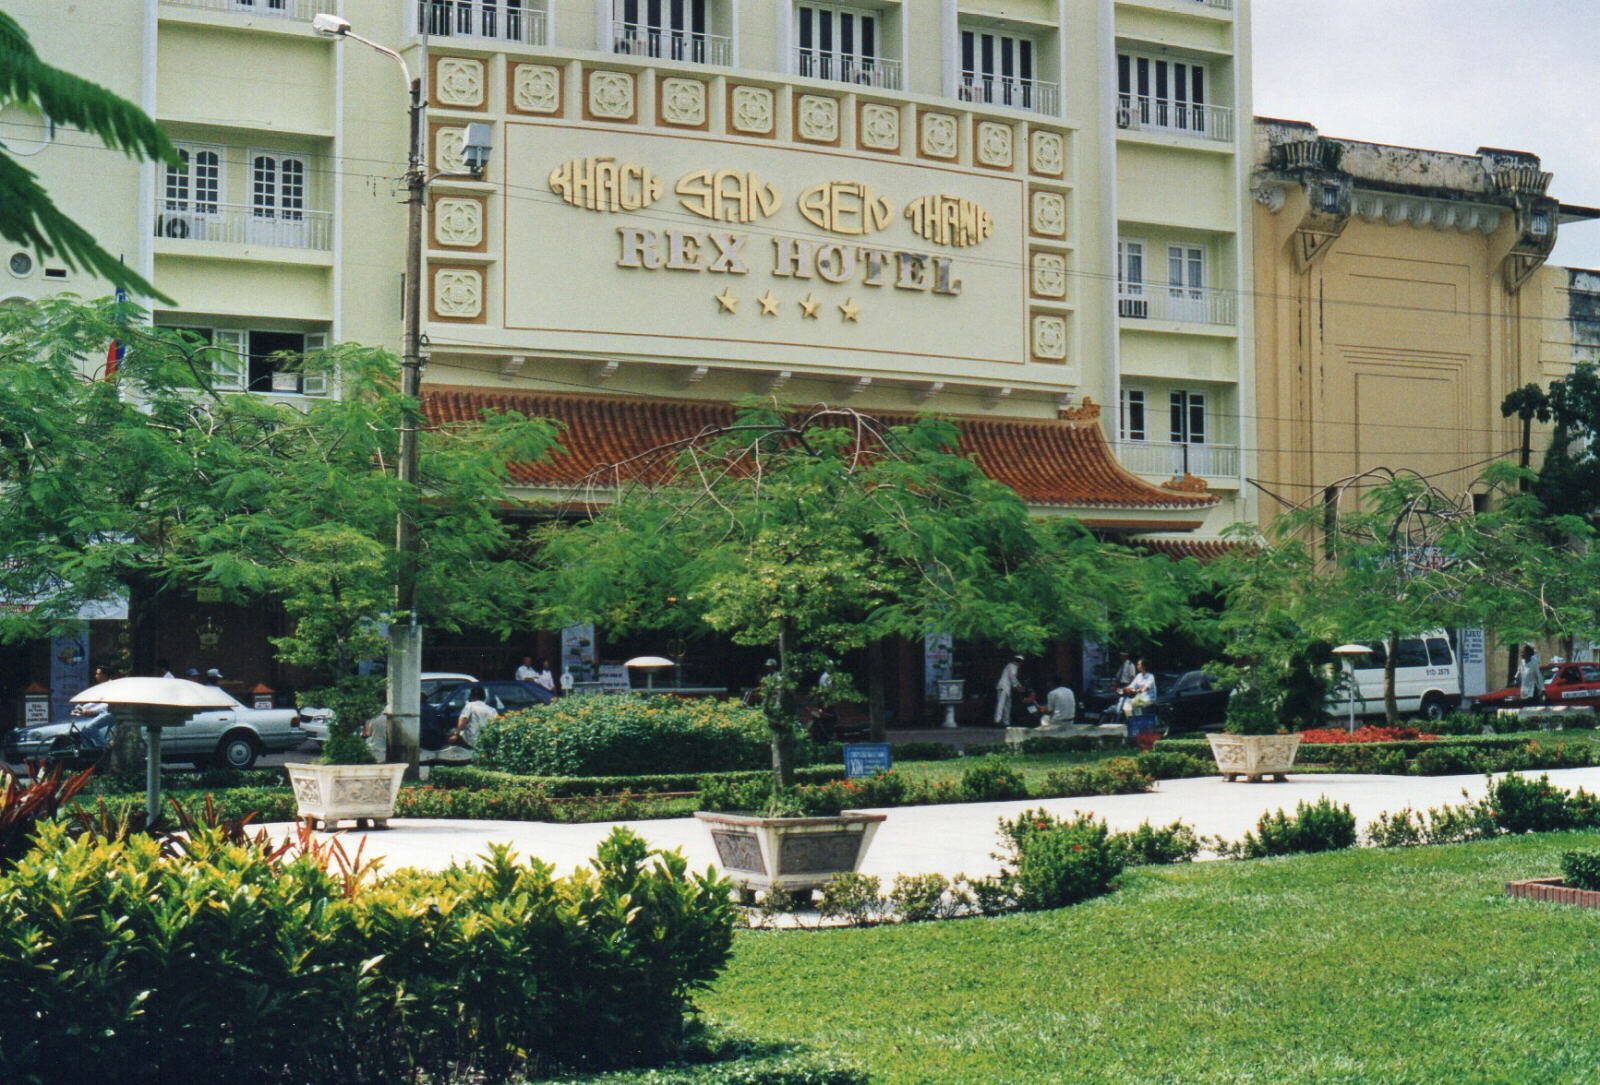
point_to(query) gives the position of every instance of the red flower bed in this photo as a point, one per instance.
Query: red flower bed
(1366, 733)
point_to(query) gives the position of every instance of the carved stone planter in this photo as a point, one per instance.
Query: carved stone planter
(1254, 756)
(1553, 890)
(329, 794)
(789, 853)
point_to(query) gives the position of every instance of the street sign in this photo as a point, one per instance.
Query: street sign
(866, 759)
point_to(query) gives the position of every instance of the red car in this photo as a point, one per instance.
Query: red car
(1564, 684)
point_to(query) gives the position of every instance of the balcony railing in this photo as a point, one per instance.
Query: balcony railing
(862, 71)
(664, 43)
(1034, 95)
(1144, 114)
(238, 224)
(495, 20)
(301, 10)
(1168, 458)
(1182, 304)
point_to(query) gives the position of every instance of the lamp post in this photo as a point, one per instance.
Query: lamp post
(1347, 654)
(404, 673)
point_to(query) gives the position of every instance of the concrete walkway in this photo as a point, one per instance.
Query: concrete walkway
(951, 839)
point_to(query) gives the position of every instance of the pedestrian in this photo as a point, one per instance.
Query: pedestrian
(1126, 671)
(474, 713)
(1139, 693)
(567, 681)
(525, 673)
(1531, 688)
(1008, 683)
(165, 668)
(213, 677)
(542, 677)
(1062, 702)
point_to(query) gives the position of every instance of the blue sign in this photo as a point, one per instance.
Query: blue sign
(866, 759)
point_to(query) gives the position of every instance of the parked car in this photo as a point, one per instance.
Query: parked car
(1427, 679)
(230, 737)
(1192, 702)
(441, 709)
(315, 721)
(1564, 684)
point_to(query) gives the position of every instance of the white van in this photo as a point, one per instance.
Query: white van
(1427, 678)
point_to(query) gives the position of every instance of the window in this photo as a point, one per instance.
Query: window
(262, 7)
(1411, 653)
(277, 200)
(999, 69)
(1188, 416)
(1439, 652)
(1131, 301)
(191, 192)
(671, 29)
(839, 43)
(1159, 93)
(1186, 283)
(1132, 422)
(258, 360)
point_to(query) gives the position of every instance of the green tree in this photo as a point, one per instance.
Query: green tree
(28, 216)
(817, 533)
(1569, 477)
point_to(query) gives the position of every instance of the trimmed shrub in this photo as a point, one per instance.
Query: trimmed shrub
(1149, 846)
(1520, 805)
(992, 780)
(918, 897)
(1581, 869)
(560, 787)
(1451, 760)
(1374, 760)
(579, 736)
(856, 898)
(1313, 827)
(1459, 723)
(1115, 776)
(124, 963)
(1159, 764)
(1052, 863)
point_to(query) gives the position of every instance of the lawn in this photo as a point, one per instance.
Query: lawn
(1359, 966)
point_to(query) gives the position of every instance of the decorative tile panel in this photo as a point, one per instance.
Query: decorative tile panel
(1048, 274)
(682, 102)
(1049, 213)
(1049, 338)
(611, 96)
(939, 137)
(447, 144)
(457, 293)
(1047, 152)
(536, 88)
(458, 82)
(816, 118)
(878, 127)
(458, 222)
(751, 110)
(994, 144)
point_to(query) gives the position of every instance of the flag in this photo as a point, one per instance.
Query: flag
(117, 349)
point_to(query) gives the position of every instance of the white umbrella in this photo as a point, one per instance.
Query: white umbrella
(650, 665)
(154, 703)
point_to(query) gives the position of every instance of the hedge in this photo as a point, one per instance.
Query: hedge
(556, 787)
(141, 961)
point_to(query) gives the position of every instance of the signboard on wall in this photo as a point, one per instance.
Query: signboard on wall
(938, 661)
(578, 653)
(1473, 660)
(661, 244)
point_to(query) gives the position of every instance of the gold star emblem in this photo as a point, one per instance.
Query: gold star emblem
(728, 302)
(850, 310)
(769, 304)
(808, 307)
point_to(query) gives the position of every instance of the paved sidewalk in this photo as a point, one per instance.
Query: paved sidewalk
(951, 839)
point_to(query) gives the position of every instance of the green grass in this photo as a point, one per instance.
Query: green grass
(1033, 766)
(1359, 966)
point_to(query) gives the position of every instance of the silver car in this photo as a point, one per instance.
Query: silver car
(230, 737)
(316, 720)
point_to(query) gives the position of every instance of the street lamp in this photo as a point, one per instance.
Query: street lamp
(1348, 653)
(405, 634)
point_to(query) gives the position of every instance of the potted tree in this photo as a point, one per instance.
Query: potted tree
(1254, 743)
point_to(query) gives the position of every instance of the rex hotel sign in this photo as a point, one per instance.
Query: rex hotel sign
(650, 249)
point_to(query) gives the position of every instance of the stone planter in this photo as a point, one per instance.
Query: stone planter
(1254, 756)
(1553, 890)
(792, 854)
(329, 794)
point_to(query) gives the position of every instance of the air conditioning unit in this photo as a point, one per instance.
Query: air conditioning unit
(181, 225)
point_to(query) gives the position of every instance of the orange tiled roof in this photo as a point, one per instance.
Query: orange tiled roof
(1048, 462)
(1204, 551)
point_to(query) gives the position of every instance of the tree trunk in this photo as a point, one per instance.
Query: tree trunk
(1391, 707)
(877, 691)
(125, 759)
(776, 705)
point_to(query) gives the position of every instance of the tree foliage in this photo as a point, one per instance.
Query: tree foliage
(1569, 478)
(28, 217)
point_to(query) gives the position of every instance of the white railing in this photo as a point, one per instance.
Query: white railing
(1182, 304)
(862, 71)
(1144, 114)
(1168, 458)
(238, 224)
(301, 10)
(664, 43)
(495, 20)
(1034, 95)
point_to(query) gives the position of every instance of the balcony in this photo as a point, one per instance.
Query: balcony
(519, 21)
(1168, 458)
(237, 224)
(862, 71)
(664, 43)
(299, 10)
(1034, 95)
(1179, 304)
(1166, 117)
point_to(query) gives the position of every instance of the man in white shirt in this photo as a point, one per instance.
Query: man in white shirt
(1008, 683)
(1062, 703)
(475, 712)
(542, 677)
(526, 673)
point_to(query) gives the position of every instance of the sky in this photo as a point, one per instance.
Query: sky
(1447, 75)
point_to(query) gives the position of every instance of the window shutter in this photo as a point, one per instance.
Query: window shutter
(230, 363)
(314, 383)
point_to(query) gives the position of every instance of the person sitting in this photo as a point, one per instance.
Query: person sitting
(475, 712)
(1138, 694)
(1061, 702)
